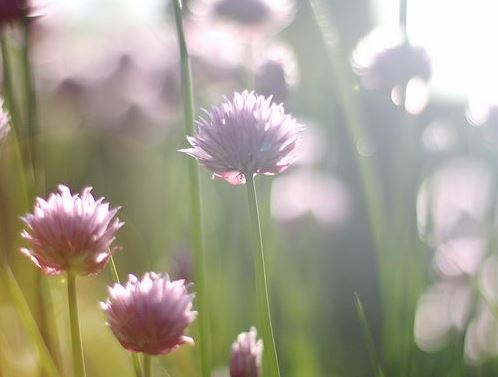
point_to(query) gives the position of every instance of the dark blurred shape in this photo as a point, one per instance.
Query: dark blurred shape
(116, 85)
(251, 17)
(277, 73)
(243, 11)
(386, 60)
(181, 265)
(12, 11)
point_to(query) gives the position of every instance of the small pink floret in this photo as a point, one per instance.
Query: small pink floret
(247, 353)
(150, 315)
(71, 233)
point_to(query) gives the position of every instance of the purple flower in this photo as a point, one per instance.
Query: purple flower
(71, 233)
(246, 135)
(150, 315)
(247, 353)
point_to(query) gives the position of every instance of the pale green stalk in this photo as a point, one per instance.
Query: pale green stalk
(195, 200)
(270, 363)
(354, 120)
(22, 307)
(77, 346)
(30, 96)
(147, 365)
(374, 358)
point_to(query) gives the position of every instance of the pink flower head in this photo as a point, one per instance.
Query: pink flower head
(11, 10)
(150, 315)
(4, 123)
(246, 135)
(71, 233)
(247, 353)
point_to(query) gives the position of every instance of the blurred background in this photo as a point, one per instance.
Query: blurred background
(393, 196)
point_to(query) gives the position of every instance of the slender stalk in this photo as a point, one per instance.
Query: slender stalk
(9, 89)
(134, 356)
(270, 365)
(29, 92)
(362, 317)
(147, 365)
(77, 346)
(195, 200)
(22, 307)
(354, 120)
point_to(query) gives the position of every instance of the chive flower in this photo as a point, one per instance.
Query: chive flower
(71, 233)
(247, 353)
(245, 136)
(150, 315)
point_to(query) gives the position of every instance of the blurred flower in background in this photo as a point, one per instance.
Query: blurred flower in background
(454, 219)
(252, 17)
(386, 60)
(307, 192)
(277, 72)
(115, 85)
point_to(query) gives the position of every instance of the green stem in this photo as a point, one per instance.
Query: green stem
(77, 346)
(147, 365)
(374, 358)
(29, 92)
(134, 357)
(9, 89)
(195, 200)
(270, 365)
(354, 120)
(15, 292)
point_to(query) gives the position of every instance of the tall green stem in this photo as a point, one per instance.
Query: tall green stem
(270, 364)
(29, 92)
(147, 365)
(9, 89)
(22, 307)
(77, 346)
(195, 199)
